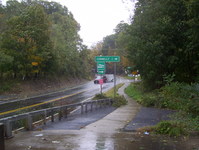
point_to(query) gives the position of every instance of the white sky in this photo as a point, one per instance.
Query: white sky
(97, 18)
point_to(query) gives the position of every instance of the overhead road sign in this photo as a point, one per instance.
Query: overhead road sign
(107, 58)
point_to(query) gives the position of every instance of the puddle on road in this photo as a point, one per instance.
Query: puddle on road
(100, 141)
(129, 141)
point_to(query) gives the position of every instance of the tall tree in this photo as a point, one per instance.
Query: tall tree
(27, 41)
(157, 40)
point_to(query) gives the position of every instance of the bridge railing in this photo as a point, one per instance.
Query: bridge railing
(45, 114)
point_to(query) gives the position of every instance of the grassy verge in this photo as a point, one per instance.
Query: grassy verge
(132, 77)
(118, 100)
(110, 93)
(176, 96)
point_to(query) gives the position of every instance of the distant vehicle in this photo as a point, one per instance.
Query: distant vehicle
(96, 81)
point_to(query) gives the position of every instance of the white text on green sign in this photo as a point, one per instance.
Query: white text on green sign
(107, 58)
(101, 66)
(101, 72)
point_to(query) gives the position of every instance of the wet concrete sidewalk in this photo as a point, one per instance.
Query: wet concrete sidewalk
(104, 134)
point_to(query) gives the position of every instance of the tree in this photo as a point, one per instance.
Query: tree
(157, 40)
(27, 41)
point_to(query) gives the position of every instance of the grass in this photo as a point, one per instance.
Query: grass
(110, 93)
(7, 85)
(133, 92)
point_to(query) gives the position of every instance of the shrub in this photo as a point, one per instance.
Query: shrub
(100, 96)
(170, 128)
(119, 101)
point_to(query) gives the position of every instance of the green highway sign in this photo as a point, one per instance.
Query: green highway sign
(101, 66)
(107, 58)
(101, 71)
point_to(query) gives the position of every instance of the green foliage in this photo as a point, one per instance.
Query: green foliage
(110, 93)
(170, 128)
(119, 101)
(6, 85)
(40, 38)
(162, 40)
(100, 96)
(134, 92)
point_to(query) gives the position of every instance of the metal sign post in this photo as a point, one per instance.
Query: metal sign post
(114, 80)
(101, 82)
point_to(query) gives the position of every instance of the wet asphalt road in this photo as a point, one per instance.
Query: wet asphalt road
(74, 95)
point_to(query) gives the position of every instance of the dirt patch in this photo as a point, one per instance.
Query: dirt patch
(28, 88)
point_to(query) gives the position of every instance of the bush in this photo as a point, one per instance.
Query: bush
(100, 96)
(170, 128)
(119, 101)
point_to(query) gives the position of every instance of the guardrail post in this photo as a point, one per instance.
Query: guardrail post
(29, 122)
(60, 114)
(82, 108)
(86, 108)
(2, 142)
(45, 116)
(110, 102)
(8, 131)
(66, 112)
(96, 105)
(91, 106)
(100, 102)
(52, 115)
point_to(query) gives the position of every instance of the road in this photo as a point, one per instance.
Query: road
(67, 96)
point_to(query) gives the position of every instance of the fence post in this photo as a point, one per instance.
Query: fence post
(2, 143)
(8, 131)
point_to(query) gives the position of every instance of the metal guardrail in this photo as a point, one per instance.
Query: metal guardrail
(62, 111)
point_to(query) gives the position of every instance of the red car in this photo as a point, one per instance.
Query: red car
(96, 81)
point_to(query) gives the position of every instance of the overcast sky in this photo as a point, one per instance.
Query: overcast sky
(97, 18)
